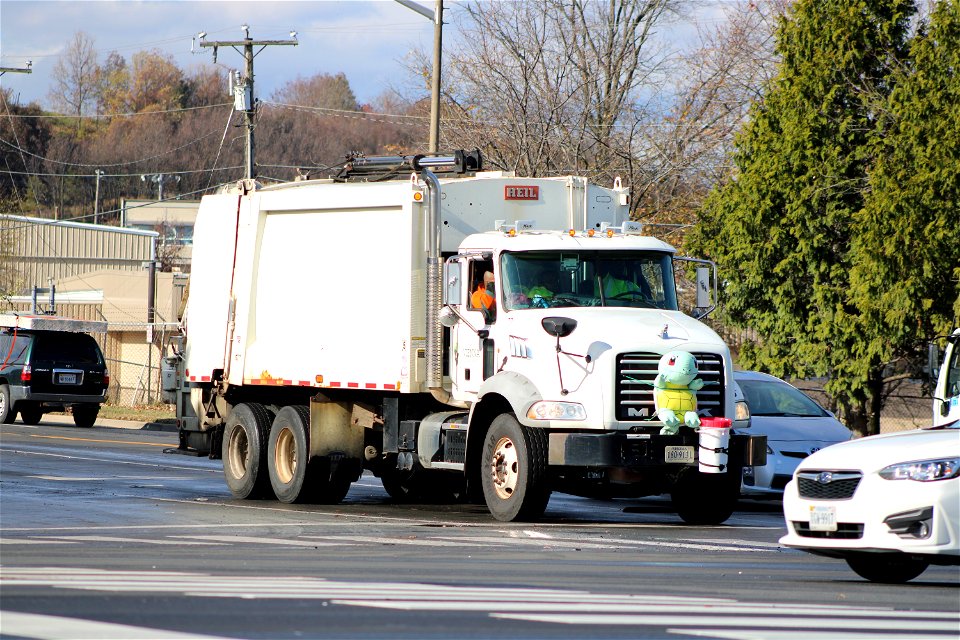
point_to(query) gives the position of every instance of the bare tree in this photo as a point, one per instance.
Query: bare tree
(552, 86)
(75, 78)
(718, 82)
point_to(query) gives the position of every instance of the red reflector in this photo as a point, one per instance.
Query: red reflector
(518, 192)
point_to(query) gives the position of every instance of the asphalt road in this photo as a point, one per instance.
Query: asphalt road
(104, 535)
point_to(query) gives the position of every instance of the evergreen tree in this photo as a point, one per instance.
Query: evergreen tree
(906, 279)
(781, 229)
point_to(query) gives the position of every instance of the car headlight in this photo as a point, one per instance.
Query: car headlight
(743, 410)
(923, 470)
(547, 410)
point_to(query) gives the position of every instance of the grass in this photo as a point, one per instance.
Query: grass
(146, 413)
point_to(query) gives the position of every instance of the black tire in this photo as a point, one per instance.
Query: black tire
(513, 470)
(293, 475)
(244, 451)
(85, 415)
(889, 568)
(705, 499)
(7, 412)
(30, 414)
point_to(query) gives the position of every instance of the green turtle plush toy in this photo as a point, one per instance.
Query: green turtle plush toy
(675, 391)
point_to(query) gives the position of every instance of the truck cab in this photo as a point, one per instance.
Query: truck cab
(946, 395)
(566, 337)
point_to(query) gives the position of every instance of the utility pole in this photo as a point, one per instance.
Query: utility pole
(437, 16)
(27, 69)
(158, 179)
(96, 198)
(243, 92)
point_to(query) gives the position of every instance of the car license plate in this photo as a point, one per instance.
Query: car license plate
(678, 455)
(823, 518)
(66, 378)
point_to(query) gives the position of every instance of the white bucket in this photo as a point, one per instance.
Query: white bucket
(714, 440)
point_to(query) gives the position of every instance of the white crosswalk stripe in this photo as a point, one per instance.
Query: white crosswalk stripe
(499, 539)
(708, 617)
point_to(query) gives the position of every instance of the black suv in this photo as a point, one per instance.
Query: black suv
(42, 371)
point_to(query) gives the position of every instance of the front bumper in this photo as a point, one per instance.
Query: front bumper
(642, 450)
(926, 514)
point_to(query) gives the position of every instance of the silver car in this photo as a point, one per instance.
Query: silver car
(795, 426)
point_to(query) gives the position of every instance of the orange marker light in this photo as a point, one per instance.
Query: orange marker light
(590, 233)
(319, 379)
(572, 232)
(417, 196)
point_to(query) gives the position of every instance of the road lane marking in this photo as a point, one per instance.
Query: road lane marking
(107, 460)
(387, 540)
(42, 627)
(271, 541)
(155, 541)
(146, 444)
(810, 625)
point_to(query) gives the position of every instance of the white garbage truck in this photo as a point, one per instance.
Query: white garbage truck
(460, 334)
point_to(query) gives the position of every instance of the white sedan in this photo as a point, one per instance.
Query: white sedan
(889, 504)
(795, 427)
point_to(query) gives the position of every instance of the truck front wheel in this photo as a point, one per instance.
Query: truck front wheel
(514, 470)
(294, 477)
(245, 451)
(705, 498)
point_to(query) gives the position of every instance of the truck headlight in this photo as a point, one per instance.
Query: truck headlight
(547, 410)
(923, 470)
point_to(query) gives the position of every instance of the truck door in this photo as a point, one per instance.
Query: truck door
(469, 341)
(947, 394)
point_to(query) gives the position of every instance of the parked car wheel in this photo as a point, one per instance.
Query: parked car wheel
(7, 414)
(31, 414)
(85, 415)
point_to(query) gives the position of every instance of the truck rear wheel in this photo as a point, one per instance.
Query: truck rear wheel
(514, 470)
(244, 451)
(294, 477)
(705, 498)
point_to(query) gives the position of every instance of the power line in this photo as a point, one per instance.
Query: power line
(132, 114)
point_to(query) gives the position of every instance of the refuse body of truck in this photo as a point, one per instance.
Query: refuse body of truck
(946, 394)
(403, 326)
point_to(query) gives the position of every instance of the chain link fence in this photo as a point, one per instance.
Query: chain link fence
(133, 352)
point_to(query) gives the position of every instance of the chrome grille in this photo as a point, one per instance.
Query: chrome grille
(635, 375)
(828, 485)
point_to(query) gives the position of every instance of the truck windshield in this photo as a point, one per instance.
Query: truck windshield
(588, 279)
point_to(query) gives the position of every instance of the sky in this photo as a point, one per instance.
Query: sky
(365, 39)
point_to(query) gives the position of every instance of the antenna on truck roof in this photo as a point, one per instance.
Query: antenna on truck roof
(361, 168)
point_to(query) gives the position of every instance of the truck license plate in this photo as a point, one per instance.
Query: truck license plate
(66, 378)
(678, 455)
(823, 518)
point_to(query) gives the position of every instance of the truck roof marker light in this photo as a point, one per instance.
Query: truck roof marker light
(319, 379)
(513, 229)
(573, 233)
(417, 196)
(590, 233)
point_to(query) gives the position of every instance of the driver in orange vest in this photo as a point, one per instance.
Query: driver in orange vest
(483, 298)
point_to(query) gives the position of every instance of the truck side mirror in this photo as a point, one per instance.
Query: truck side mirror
(704, 287)
(452, 282)
(933, 361)
(558, 326)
